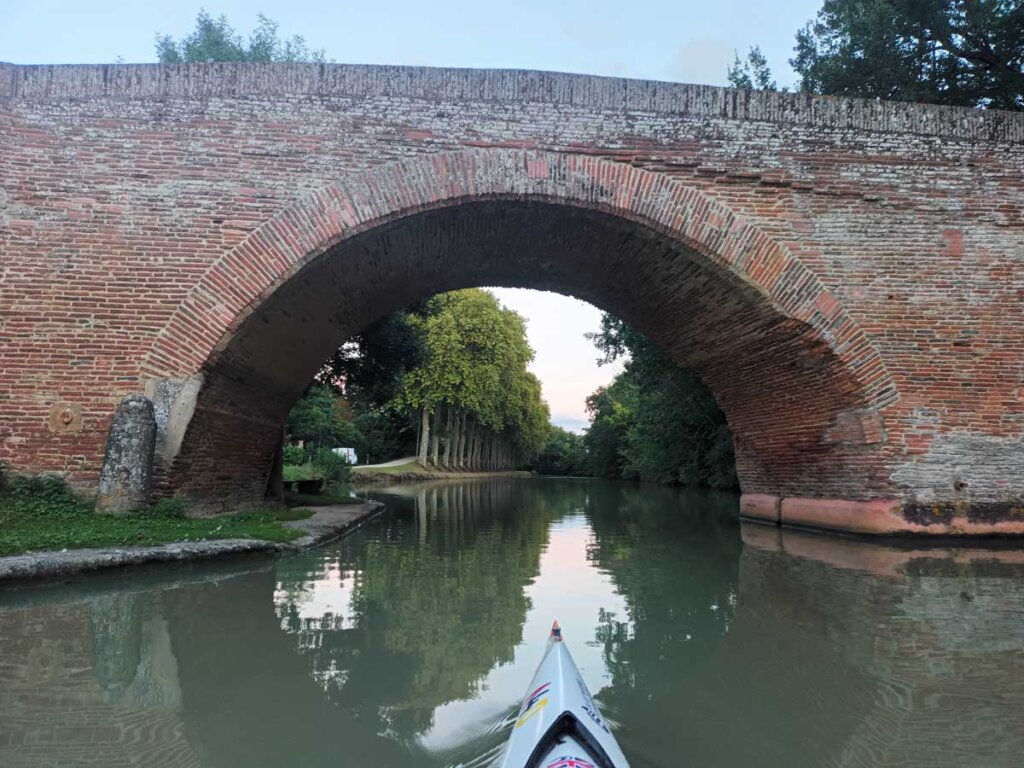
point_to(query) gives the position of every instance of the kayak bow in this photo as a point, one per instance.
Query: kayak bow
(559, 724)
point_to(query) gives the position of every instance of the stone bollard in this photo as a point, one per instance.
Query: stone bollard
(128, 463)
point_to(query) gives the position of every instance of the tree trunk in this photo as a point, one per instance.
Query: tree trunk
(436, 437)
(474, 447)
(424, 437)
(460, 423)
(449, 434)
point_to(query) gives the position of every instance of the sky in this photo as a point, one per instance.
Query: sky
(682, 41)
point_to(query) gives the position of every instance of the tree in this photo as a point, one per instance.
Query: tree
(563, 453)
(319, 419)
(752, 72)
(611, 415)
(475, 398)
(214, 39)
(959, 52)
(655, 421)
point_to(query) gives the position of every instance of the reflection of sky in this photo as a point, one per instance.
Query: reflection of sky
(329, 593)
(568, 589)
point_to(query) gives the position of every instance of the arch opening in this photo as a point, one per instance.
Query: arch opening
(786, 366)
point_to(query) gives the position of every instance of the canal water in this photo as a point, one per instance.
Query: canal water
(706, 642)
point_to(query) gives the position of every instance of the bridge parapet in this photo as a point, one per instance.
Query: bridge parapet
(239, 79)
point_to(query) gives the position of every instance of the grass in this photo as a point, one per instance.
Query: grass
(40, 513)
(292, 472)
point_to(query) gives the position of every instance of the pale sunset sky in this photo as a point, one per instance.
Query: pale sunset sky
(683, 41)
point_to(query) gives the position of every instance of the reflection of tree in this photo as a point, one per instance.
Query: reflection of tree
(438, 600)
(673, 556)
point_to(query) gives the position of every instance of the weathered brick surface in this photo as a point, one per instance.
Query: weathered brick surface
(847, 276)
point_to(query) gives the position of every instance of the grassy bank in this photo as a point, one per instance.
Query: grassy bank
(38, 514)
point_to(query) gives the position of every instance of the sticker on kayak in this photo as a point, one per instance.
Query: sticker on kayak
(570, 762)
(589, 706)
(534, 703)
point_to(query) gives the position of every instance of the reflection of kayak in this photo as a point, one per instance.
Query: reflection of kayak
(559, 725)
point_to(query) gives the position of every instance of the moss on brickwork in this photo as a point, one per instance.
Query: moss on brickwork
(41, 513)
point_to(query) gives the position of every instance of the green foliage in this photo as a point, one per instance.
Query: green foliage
(41, 495)
(476, 360)
(369, 368)
(611, 415)
(214, 39)
(319, 420)
(294, 472)
(42, 513)
(294, 455)
(751, 72)
(334, 468)
(655, 421)
(563, 453)
(383, 435)
(294, 511)
(960, 52)
(169, 508)
(318, 464)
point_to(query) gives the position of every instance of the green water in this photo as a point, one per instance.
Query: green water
(411, 643)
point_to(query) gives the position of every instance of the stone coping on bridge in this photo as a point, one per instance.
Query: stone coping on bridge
(69, 82)
(877, 517)
(326, 524)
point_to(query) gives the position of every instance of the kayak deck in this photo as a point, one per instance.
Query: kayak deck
(559, 724)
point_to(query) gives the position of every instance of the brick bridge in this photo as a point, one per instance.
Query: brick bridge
(846, 276)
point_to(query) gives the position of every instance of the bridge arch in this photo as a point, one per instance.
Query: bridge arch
(802, 386)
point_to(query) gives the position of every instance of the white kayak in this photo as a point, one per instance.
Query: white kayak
(559, 724)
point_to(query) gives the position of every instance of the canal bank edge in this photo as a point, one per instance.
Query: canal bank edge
(879, 517)
(325, 525)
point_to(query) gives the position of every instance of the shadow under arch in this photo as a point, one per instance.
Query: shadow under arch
(800, 383)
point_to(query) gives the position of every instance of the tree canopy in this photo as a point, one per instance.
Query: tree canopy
(960, 52)
(957, 52)
(752, 71)
(214, 39)
(655, 421)
(476, 363)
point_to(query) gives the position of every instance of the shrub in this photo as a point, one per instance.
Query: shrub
(294, 454)
(335, 468)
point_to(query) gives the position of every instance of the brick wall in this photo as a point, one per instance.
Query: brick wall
(846, 275)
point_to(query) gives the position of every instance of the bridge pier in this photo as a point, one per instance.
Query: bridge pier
(882, 517)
